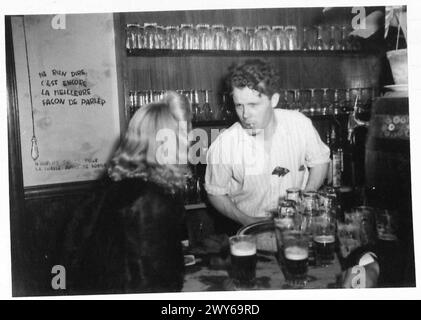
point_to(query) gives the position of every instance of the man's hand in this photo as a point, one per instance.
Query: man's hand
(225, 206)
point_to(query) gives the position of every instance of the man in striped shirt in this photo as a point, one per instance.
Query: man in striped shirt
(252, 163)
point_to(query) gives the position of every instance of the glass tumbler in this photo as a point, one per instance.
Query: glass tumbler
(309, 38)
(220, 37)
(293, 257)
(278, 39)
(204, 37)
(150, 35)
(131, 36)
(187, 35)
(172, 37)
(238, 40)
(291, 37)
(250, 37)
(263, 38)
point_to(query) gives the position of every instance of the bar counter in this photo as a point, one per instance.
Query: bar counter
(200, 277)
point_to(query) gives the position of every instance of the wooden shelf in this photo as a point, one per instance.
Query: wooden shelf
(236, 53)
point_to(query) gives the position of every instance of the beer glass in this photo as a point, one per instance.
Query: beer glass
(172, 37)
(263, 38)
(284, 217)
(238, 39)
(291, 37)
(293, 257)
(131, 39)
(204, 37)
(150, 35)
(295, 195)
(324, 240)
(386, 225)
(364, 217)
(278, 39)
(243, 251)
(348, 234)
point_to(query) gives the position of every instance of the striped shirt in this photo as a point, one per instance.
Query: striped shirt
(238, 165)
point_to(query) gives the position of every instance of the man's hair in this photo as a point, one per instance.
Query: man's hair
(255, 74)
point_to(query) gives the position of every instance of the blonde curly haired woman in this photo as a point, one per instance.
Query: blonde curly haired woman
(128, 239)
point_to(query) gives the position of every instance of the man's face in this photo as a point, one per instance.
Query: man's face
(254, 109)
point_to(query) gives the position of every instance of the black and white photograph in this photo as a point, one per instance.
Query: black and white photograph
(243, 149)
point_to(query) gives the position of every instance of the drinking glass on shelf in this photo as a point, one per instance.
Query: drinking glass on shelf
(204, 36)
(327, 101)
(220, 37)
(131, 36)
(159, 42)
(322, 41)
(334, 38)
(150, 35)
(206, 107)
(339, 100)
(172, 37)
(238, 39)
(291, 99)
(309, 38)
(278, 39)
(250, 38)
(298, 101)
(283, 99)
(263, 38)
(291, 37)
(345, 43)
(316, 101)
(305, 95)
(187, 36)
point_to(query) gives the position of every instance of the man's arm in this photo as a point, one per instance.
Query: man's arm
(224, 205)
(317, 176)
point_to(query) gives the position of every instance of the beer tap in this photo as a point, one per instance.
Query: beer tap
(354, 122)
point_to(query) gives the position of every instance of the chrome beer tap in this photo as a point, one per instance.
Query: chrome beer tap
(354, 122)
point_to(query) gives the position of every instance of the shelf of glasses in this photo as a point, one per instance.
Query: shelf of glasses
(223, 123)
(235, 53)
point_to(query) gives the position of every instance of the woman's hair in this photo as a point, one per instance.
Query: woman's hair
(254, 74)
(138, 149)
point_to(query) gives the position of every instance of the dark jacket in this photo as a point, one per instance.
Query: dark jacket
(127, 239)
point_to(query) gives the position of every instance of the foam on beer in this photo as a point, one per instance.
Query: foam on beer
(296, 253)
(324, 239)
(243, 249)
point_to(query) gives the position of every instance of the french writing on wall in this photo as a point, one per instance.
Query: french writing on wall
(67, 88)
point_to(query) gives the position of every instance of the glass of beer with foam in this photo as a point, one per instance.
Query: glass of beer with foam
(243, 259)
(293, 257)
(324, 240)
